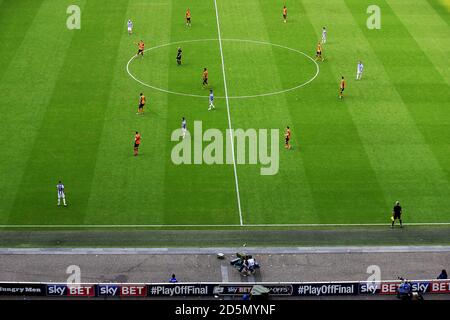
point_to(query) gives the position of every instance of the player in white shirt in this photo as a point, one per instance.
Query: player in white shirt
(251, 264)
(359, 70)
(61, 195)
(211, 100)
(183, 127)
(130, 27)
(324, 35)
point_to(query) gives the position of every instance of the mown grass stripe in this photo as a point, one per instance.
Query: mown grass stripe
(118, 202)
(68, 136)
(26, 94)
(17, 17)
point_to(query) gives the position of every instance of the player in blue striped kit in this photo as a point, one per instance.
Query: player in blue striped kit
(130, 27)
(359, 71)
(61, 195)
(324, 35)
(211, 100)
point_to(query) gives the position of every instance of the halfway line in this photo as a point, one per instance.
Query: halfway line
(229, 117)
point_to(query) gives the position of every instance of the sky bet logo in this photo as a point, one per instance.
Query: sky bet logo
(71, 291)
(107, 290)
(391, 287)
(123, 291)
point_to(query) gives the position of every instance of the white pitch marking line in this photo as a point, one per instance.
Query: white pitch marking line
(218, 225)
(229, 97)
(214, 250)
(224, 272)
(229, 116)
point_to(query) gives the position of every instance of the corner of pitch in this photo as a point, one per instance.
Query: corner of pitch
(217, 147)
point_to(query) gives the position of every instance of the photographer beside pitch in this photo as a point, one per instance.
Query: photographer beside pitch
(397, 214)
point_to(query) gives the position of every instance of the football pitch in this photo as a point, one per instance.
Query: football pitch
(69, 97)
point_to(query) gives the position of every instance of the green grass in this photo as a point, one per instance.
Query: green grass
(67, 111)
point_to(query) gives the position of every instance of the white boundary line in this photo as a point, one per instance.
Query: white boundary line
(229, 116)
(229, 97)
(227, 250)
(101, 226)
(235, 172)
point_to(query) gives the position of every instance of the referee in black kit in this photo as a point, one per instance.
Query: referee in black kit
(179, 52)
(397, 214)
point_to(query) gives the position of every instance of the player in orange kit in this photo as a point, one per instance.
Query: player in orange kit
(319, 52)
(287, 138)
(137, 143)
(341, 88)
(188, 17)
(142, 100)
(205, 77)
(141, 47)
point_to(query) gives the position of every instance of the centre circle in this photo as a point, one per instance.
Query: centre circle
(249, 68)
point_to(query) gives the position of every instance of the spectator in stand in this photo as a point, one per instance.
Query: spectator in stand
(173, 279)
(443, 275)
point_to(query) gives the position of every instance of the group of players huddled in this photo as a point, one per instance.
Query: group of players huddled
(142, 98)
